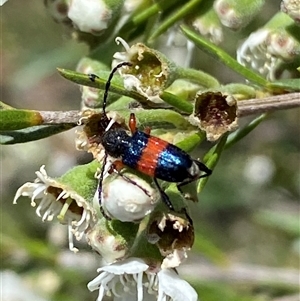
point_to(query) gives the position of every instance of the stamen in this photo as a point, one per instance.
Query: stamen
(78, 234)
(36, 192)
(44, 204)
(113, 289)
(139, 286)
(61, 195)
(83, 218)
(70, 237)
(119, 40)
(64, 209)
(51, 211)
(101, 293)
(151, 278)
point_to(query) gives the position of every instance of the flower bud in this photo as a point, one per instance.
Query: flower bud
(128, 198)
(237, 14)
(292, 8)
(2, 2)
(91, 97)
(94, 16)
(269, 47)
(131, 5)
(112, 239)
(209, 26)
(215, 113)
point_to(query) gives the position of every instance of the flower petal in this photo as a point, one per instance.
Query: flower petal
(170, 284)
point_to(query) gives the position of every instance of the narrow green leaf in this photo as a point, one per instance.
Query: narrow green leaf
(144, 15)
(177, 102)
(286, 222)
(19, 119)
(211, 159)
(223, 57)
(159, 118)
(205, 246)
(99, 83)
(4, 106)
(291, 84)
(242, 132)
(191, 142)
(184, 10)
(197, 76)
(32, 133)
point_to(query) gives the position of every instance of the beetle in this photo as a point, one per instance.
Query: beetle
(145, 153)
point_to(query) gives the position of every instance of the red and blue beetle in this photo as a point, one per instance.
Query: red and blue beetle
(147, 154)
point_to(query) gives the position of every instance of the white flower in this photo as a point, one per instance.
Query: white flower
(57, 200)
(150, 72)
(134, 280)
(2, 2)
(292, 8)
(90, 16)
(131, 5)
(172, 286)
(265, 50)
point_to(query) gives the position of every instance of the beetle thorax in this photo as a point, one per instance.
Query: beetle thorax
(115, 141)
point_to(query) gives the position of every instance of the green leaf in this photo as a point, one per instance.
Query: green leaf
(184, 10)
(32, 133)
(291, 84)
(19, 119)
(4, 106)
(160, 118)
(205, 246)
(223, 57)
(191, 142)
(211, 159)
(286, 222)
(100, 82)
(199, 77)
(144, 15)
(177, 102)
(242, 132)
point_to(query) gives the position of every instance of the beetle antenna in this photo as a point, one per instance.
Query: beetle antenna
(107, 85)
(101, 178)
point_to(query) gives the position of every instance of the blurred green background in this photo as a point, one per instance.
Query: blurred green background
(247, 221)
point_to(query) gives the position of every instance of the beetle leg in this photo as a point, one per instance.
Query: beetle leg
(164, 196)
(100, 188)
(117, 166)
(202, 167)
(132, 123)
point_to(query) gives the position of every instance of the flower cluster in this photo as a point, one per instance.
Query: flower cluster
(116, 209)
(72, 200)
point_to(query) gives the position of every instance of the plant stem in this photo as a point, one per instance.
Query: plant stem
(268, 104)
(245, 108)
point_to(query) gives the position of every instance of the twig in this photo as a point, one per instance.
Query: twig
(245, 108)
(60, 117)
(268, 104)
